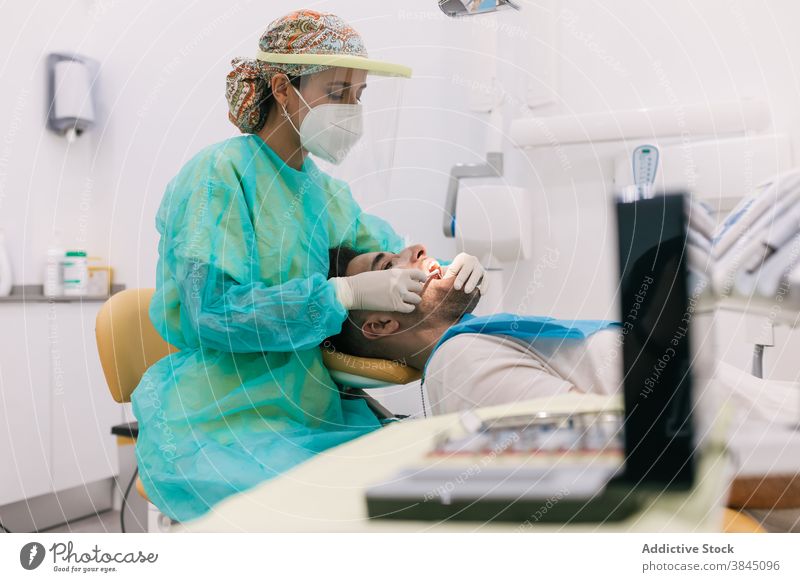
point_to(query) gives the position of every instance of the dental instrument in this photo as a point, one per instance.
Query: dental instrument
(746, 214)
(757, 259)
(752, 236)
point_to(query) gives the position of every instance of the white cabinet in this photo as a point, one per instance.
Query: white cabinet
(83, 411)
(25, 432)
(55, 405)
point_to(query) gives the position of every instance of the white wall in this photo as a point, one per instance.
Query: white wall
(615, 55)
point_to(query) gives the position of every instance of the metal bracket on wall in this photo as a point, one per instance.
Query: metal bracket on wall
(492, 168)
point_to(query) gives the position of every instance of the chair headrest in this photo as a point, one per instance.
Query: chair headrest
(389, 371)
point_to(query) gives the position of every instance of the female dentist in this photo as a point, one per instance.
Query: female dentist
(241, 284)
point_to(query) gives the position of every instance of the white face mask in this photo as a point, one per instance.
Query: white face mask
(329, 130)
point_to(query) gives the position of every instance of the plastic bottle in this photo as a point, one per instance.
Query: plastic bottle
(75, 273)
(5, 268)
(53, 272)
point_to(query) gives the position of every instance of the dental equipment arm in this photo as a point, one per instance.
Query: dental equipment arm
(755, 262)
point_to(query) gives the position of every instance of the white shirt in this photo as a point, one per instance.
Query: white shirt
(472, 370)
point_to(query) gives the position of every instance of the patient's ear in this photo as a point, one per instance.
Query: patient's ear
(379, 325)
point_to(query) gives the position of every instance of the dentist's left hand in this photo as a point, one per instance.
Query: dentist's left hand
(468, 272)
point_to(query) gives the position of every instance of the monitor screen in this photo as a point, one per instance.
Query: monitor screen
(655, 318)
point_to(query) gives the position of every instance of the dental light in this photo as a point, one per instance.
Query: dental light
(457, 8)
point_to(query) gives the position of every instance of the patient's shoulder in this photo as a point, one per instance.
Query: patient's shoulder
(474, 342)
(465, 341)
(466, 348)
(454, 349)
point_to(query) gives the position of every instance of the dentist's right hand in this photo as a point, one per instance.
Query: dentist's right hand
(389, 290)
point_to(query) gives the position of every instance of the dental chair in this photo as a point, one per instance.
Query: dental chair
(128, 344)
(355, 375)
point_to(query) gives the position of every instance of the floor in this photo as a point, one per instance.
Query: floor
(106, 522)
(778, 520)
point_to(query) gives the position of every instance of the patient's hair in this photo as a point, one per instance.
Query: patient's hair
(350, 340)
(339, 258)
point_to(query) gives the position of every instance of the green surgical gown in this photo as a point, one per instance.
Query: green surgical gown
(242, 292)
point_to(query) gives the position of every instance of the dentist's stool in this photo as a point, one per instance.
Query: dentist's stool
(128, 344)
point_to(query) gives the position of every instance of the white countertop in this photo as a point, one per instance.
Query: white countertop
(326, 493)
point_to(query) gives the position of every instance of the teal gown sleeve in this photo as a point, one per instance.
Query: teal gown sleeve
(234, 316)
(231, 297)
(355, 228)
(375, 234)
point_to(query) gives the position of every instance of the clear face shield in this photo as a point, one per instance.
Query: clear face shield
(348, 119)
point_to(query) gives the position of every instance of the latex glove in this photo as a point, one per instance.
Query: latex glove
(468, 273)
(389, 290)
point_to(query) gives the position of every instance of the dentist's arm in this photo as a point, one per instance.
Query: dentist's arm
(218, 294)
(361, 231)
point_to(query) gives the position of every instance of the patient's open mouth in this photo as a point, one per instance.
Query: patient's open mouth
(434, 270)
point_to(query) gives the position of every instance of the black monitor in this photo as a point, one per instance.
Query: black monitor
(656, 316)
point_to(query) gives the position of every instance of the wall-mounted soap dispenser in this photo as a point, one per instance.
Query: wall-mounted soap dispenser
(71, 96)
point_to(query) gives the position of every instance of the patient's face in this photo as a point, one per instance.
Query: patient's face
(409, 334)
(437, 294)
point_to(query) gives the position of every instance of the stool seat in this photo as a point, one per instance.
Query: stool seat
(140, 489)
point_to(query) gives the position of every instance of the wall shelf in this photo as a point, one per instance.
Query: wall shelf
(35, 294)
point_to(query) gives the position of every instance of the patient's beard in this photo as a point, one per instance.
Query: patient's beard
(422, 329)
(442, 307)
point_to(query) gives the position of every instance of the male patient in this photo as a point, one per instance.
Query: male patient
(507, 359)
